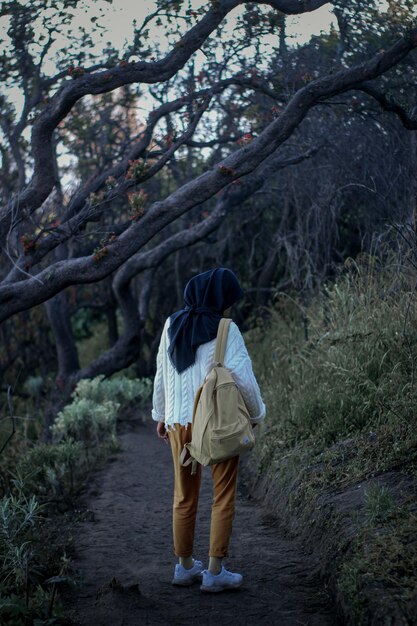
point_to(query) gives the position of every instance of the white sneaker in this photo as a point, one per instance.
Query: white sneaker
(225, 580)
(185, 577)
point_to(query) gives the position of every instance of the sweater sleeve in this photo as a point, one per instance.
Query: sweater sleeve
(158, 398)
(238, 361)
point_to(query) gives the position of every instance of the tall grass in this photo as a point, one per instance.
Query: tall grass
(355, 371)
(339, 381)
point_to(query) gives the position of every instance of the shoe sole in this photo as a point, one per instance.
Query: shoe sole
(217, 589)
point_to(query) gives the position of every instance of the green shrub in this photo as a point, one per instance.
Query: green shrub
(41, 478)
(20, 591)
(52, 470)
(118, 388)
(85, 420)
(25, 596)
(91, 416)
(18, 517)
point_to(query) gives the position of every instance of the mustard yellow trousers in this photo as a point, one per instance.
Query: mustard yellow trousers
(186, 493)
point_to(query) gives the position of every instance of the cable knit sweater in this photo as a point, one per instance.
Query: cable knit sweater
(173, 393)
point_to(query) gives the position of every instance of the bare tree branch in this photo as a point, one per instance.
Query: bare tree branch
(183, 239)
(79, 213)
(127, 347)
(15, 298)
(389, 105)
(102, 82)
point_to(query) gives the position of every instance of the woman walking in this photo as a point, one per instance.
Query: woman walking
(185, 357)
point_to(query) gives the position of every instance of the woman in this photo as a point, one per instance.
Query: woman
(185, 356)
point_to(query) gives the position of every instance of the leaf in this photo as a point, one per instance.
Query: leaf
(56, 580)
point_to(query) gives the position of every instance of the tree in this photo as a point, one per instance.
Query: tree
(120, 218)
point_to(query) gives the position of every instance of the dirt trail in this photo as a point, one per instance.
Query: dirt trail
(125, 554)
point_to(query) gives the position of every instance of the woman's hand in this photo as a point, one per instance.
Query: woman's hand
(161, 431)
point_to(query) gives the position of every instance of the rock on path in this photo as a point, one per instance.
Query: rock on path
(124, 553)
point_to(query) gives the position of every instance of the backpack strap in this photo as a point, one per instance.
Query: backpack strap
(189, 461)
(221, 340)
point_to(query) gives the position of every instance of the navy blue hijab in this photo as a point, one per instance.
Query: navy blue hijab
(206, 297)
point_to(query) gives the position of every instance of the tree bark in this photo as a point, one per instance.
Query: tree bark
(57, 309)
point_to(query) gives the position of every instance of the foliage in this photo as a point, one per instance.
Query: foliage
(356, 369)
(340, 368)
(52, 471)
(24, 595)
(18, 517)
(82, 323)
(33, 386)
(18, 359)
(86, 421)
(386, 555)
(44, 480)
(91, 416)
(378, 503)
(92, 345)
(118, 388)
(338, 378)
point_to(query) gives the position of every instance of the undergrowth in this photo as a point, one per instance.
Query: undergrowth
(338, 378)
(40, 480)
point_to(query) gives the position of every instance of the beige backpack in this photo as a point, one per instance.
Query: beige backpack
(221, 425)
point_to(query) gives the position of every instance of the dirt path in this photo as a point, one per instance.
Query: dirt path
(125, 554)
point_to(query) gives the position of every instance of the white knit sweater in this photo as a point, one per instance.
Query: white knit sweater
(173, 393)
